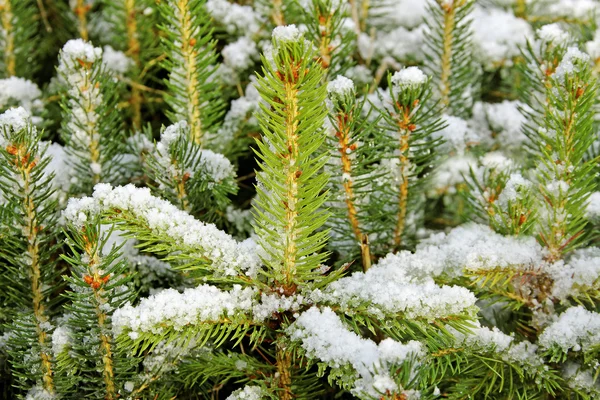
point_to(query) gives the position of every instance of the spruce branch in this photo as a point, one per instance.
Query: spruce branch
(288, 211)
(27, 248)
(99, 285)
(91, 125)
(448, 57)
(192, 93)
(410, 150)
(132, 23)
(18, 45)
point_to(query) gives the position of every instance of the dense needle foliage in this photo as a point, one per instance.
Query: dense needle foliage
(299, 199)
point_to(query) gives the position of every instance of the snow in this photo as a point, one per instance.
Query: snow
(593, 207)
(116, 60)
(493, 340)
(214, 166)
(275, 303)
(39, 393)
(457, 135)
(323, 336)
(61, 337)
(515, 188)
(593, 46)
(287, 33)
(340, 88)
(129, 386)
(576, 329)
(247, 393)
(581, 379)
(554, 34)
(235, 18)
(164, 219)
(469, 247)
(576, 273)
(499, 34)
(172, 309)
(78, 49)
(21, 92)
(503, 120)
(571, 63)
(14, 118)
(408, 78)
(240, 55)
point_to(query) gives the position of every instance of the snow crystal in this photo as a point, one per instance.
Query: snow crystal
(116, 60)
(499, 34)
(496, 161)
(577, 329)
(578, 272)
(580, 379)
(554, 34)
(169, 308)
(390, 288)
(570, 63)
(78, 49)
(403, 13)
(22, 92)
(493, 340)
(216, 165)
(247, 393)
(240, 54)
(129, 386)
(514, 189)
(502, 120)
(39, 393)
(570, 8)
(470, 247)
(273, 303)
(324, 336)
(234, 17)
(456, 135)
(340, 88)
(451, 171)
(593, 207)
(593, 46)
(408, 78)
(61, 337)
(163, 218)
(287, 33)
(14, 118)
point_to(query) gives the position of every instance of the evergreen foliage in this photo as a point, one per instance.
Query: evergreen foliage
(299, 199)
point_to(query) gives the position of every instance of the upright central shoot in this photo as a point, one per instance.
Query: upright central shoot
(290, 184)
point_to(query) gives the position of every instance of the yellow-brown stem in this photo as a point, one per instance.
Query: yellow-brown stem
(403, 188)
(81, 10)
(32, 229)
(355, 15)
(133, 51)
(44, 15)
(521, 9)
(96, 282)
(325, 43)
(9, 38)
(446, 61)
(284, 365)
(92, 125)
(188, 53)
(180, 188)
(277, 13)
(345, 148)
(292, 175)
(365, 252)
(343, 135)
